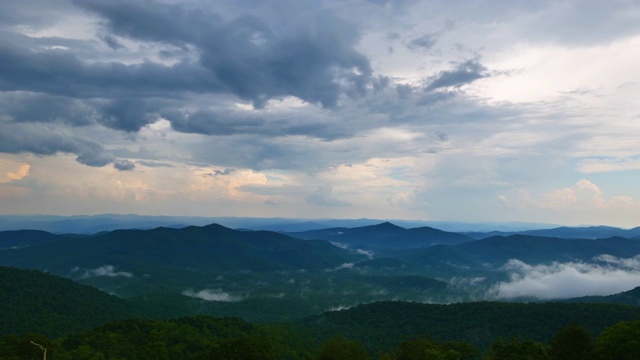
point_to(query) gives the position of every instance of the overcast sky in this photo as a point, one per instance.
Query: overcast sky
(432, 110)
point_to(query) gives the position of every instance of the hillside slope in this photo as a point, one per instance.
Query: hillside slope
(208, 248)
(383, 325)
(33, 301)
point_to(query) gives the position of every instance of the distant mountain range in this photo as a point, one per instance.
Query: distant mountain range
(84, 224)
(91, 224)
(267, 275)
(588, 232)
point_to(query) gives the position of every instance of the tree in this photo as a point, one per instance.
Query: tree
(247, 347)
(620, 342)
(517, 350)
(427, 349)
(342, 349)
(42, 348)
(572, 342)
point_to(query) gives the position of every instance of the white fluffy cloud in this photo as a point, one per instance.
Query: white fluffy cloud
(581, 203)
(607, 276)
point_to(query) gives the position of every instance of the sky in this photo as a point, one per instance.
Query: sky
(473, 111)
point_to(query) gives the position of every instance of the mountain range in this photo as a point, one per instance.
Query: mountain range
(267, 276)
(91, 224)
(585, 232)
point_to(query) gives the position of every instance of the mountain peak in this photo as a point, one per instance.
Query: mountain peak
(387, 226)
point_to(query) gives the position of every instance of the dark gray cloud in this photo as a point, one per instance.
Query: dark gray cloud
(316, 62)
(249, 54)
(44, 140)
(124, 165)
(256, 59)
(111, 41)
(464, 73)
(42, 108)
(426, 41)
(60, 72)
(227, 121)
(260, 152)
(126, 114)
(151, 20)
(154, 164)
(224, 172)
(192, 64)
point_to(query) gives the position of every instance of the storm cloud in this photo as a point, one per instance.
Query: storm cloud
(463, 73)
(48, 140)
(312, 57)
(438, 104)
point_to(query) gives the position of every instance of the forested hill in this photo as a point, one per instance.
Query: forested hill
(383, 325)
(631, 297)
(24, 238)
(33, 301)
(207, 248)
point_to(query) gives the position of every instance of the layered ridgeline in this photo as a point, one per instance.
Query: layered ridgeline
(259, 275)
(264, 276)
(269, 276)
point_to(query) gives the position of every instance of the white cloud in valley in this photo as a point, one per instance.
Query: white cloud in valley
(212, 295)
(607, 275)
(105, 270)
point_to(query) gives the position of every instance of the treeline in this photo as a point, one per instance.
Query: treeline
(382, 325)
(200, 338)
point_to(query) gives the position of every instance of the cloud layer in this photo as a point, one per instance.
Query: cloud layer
(363, 108)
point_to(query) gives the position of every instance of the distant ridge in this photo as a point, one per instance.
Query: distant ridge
(208, 248)
(23, 238)
(91, 224)
(565, 232)
(631, 297)
(496, 251)
(385, 235)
